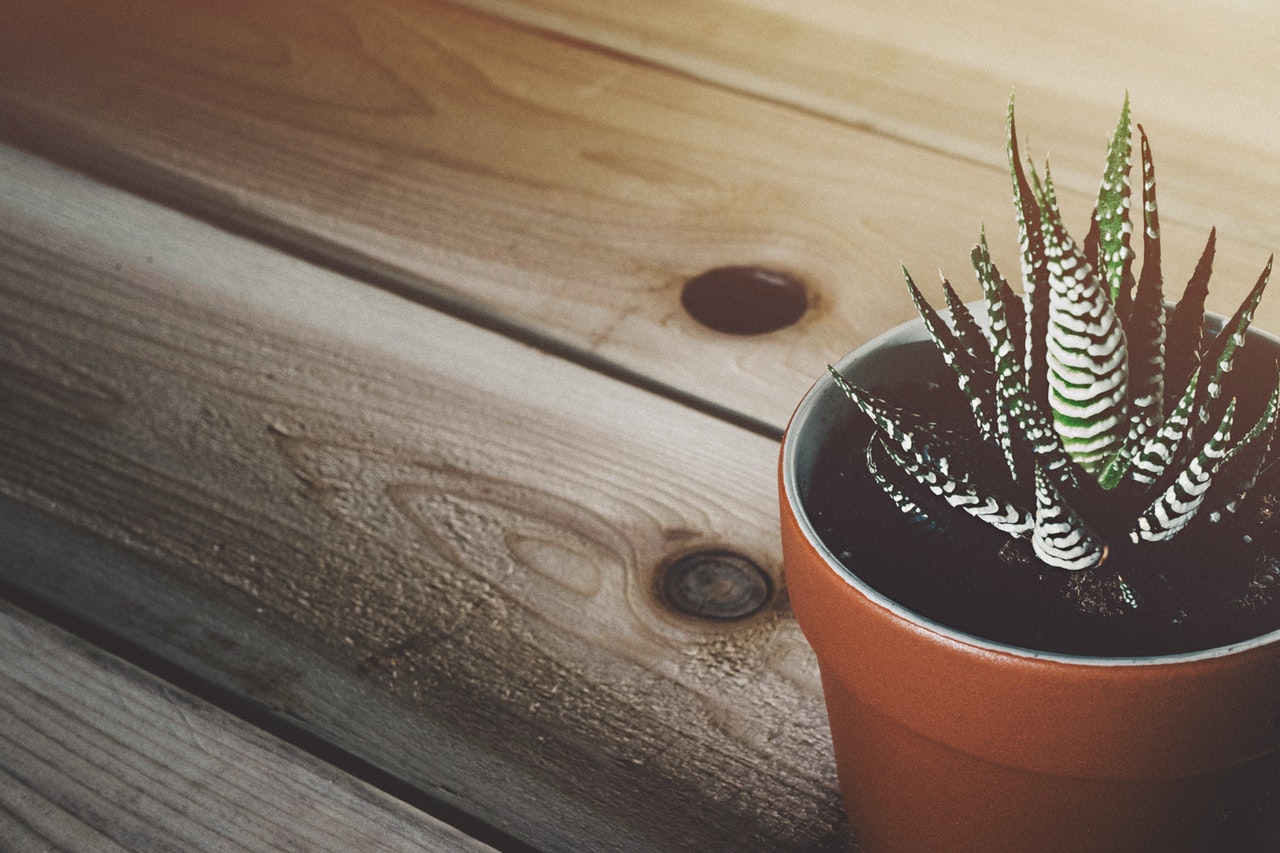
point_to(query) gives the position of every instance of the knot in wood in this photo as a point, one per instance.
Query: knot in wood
(744, 300)
(716, 585)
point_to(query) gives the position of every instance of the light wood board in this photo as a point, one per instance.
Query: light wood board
(1199, 74)
(561, 172)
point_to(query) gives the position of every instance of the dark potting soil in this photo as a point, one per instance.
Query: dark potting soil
(1210, 586)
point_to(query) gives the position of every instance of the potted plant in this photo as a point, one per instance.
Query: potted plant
(1035, 545)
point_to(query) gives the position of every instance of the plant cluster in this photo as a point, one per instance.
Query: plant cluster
(1099, 410)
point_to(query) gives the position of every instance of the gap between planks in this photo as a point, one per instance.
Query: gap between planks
(98, 756)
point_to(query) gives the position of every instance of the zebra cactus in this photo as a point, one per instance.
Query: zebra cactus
(1092, 401)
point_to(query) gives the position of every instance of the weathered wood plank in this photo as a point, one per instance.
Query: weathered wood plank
(546, 183)
(435, 546)
(96, 755)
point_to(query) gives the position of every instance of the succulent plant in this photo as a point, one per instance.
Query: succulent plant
(1098, 408)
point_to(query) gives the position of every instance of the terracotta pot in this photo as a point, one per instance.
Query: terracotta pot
(947, 742)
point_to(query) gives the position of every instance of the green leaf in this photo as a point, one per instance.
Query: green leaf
(1115, 254)
(1113, 473)
(1091, 241)
(1086, 352)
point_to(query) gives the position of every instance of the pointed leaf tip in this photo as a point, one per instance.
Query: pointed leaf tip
(1115, 254)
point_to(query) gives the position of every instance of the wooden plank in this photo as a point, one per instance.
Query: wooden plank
(545, 183)
(96, 755)
(1199, 75)
(435, 546)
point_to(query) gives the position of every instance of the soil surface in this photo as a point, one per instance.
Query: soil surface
(1211, 585)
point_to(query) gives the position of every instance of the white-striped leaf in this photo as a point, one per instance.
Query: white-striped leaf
(972, 374)
(1017, 409)
(1162, 447)
(967, 330)
(1115, 254)
(1004, 322)
(1086, 352)
(908, 431)
(1240, 470)
(905, 502)
(1061, 537)
(1178, 504)
(961, 492)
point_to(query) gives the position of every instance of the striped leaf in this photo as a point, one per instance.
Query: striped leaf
(1086, 353)
(1005, 319)
(1178, 504)
(972, 373)
(1115, 254)
(962, 492)
(908, 431)
(1061, 537)
(968, 332)
(1161, 448)
(1240, 470)
(882, 467)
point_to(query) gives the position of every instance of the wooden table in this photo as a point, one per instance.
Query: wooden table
(352, 420)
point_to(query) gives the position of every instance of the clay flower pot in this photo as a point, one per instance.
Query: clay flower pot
(947, 742)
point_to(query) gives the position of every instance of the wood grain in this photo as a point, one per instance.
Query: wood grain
(435, 546)
(1199, 75)
(96, 756)
(515, 164)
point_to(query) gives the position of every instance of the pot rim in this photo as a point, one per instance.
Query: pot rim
(910, 332)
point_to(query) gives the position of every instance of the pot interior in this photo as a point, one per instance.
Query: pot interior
(906, 353)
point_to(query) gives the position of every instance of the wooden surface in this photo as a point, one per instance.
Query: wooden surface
(85, 735)
(344, 373)
(452, 519)
(518, 164)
